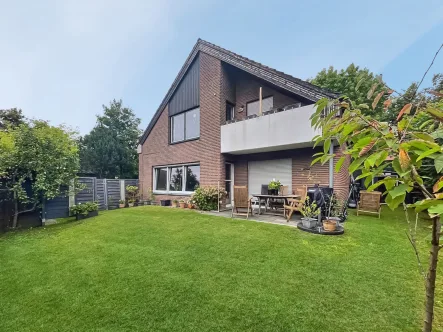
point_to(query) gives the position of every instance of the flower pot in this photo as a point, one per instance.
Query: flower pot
(174, 205)
(191, 206)
(182, 205)
(121, 205)
(273, 192)
(329, 225)
(90, 214)
(309, 222)
(131, 204)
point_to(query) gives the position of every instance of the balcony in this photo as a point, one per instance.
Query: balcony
(287, 128)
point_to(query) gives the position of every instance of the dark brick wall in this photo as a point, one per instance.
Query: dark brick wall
(157, 151)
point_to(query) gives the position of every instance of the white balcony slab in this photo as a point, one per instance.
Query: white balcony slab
(272, 132)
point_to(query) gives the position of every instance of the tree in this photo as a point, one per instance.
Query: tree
(357, 84)
(109, 150)
(39, 155)
(369, 143)
(11, 117)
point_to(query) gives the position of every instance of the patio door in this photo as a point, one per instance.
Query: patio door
(229, 183)
(262, 172)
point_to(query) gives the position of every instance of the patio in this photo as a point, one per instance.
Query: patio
(265, 218)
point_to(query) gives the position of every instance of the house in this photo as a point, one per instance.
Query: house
(228, 120)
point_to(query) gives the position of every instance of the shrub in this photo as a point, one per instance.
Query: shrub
(206, 198)
(132, 194)
(84, 208)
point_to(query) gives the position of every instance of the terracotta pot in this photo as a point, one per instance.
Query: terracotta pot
(329, 225)
(191, 206)
(121, 206)
(174, 205)
(182, 205)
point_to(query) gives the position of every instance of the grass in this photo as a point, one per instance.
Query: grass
(158, 269)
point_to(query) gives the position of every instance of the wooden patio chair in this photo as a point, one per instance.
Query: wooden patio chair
(370, 202)
(295, 204)
(241, 201)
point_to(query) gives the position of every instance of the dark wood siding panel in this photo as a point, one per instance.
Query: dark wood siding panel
(187, 95)
(303, 174)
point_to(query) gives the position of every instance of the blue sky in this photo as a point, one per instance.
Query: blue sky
(61, 60)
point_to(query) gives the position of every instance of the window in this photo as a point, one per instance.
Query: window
(230, 111)
(176, 179)
(185, 126)
(161, 176)
(254, 106)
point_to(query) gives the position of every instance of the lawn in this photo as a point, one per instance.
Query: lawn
(160, 269)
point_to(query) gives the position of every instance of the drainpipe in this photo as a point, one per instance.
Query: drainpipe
(260, 102)
(331, 167)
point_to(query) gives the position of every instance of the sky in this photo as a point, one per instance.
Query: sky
(62, 60)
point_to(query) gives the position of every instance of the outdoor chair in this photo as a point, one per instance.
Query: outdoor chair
(278, 203)
(241, 201)
(295, 204)
(369, 202)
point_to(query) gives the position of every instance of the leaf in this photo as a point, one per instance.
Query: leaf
(363, 106)
(316, 160)
(372, 90)
(436, 93)
(438, 163)
(371, 160)
(359, 83)
(404, 159)
(375, 185)
(382, 155)
(387, 103)
(394, 202)
(438, 133)
(435, 113)
(355, 164)
(425, 204)
(423, 136)
(426, 123)
(339, 163)
(396, 166)
(367, 147)
(427, 153)
(326, 146)
(399, 190)
(406, 109)
(436, 209)
(438, 185)
(377, 99)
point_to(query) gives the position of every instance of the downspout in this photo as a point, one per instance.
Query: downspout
(331, 166)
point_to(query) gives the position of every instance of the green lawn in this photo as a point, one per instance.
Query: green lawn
(159, 269)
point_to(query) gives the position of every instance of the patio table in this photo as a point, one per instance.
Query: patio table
(267, 197)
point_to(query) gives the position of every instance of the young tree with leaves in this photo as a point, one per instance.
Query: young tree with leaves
(109, 150)
(369, 143)
(44, 156)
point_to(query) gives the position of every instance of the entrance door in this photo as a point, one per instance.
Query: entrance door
(229, 183)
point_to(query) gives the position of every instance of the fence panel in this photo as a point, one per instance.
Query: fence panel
(113, 190)
(100, 193)
(87, 194)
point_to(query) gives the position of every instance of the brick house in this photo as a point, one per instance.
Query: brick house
(212, 129)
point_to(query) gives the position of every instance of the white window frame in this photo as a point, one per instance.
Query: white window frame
(168, 171)
(185, 139)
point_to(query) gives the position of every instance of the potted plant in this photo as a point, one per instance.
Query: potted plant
(130, 202)
(274, 187)
(132, 195)
(332, 218)
(182, 204)
(121, 203)
(85, 210)
(174, 203)
(191, 204)
(310, 212)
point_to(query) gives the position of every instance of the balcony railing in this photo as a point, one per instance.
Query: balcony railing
(277, 129)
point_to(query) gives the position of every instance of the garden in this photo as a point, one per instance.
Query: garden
(156, 268)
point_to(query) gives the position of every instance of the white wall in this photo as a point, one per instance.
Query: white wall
(272, 132)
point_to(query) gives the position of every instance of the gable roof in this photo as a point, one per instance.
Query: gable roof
(273, 76)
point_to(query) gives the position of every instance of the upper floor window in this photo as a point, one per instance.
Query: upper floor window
(254, 106)
(185, 126)
(230, 111)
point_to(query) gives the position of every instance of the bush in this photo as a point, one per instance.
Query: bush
(84, 208)
(206, 198)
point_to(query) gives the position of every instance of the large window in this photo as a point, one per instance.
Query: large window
(254, 106)
(185, 126)
(176, 179)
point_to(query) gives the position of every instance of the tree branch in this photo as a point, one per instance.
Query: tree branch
(426, 72)
(28, 210)
(411, 238)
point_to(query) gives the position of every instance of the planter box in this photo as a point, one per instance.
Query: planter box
(90, 214)
(309, 222)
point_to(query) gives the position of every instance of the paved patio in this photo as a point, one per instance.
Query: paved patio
(266, 218)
